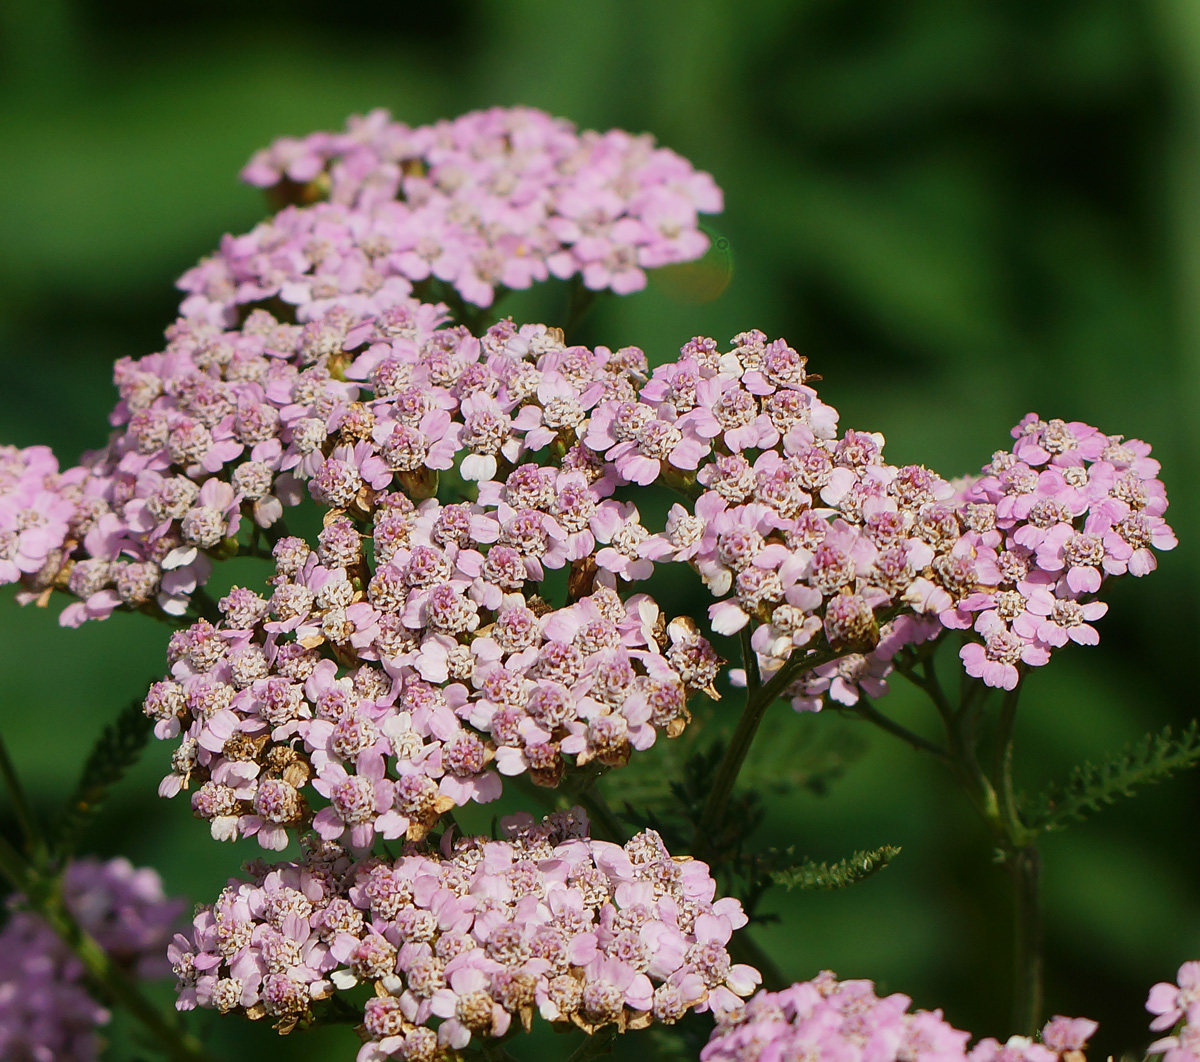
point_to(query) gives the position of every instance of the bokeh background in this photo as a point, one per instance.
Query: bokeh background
(960, 210)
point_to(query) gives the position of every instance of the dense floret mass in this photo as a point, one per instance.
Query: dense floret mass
(830, 1019)
(462, 943)
(492, 201)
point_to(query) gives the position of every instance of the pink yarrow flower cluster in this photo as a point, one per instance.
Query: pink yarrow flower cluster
(1061, 1040)
(808, 537)
(392, 691)
(222, 430)
(491, 201)
(214, 436)
(1048, 522)
(830, 1019)
(846, 1021)
(825, 552)
(813, 542)
(36, 512)
(46, 1014)
(463, 943)
(1177, 1007)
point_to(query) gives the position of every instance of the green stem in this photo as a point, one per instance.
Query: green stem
(205, 606)
(538, 793)
(339, 1012)
(35, 841)
(275, 532)
(1024, 863)
(750, 659)
(864, 709)
(1025, 866)
(178, 1045)
(602, 815)
(579, 301)
(599, 1043)
(994, 797)
(1016, 832)
(744, 948)
(252, 550)
(961, 741)
(758, 700)
(928, 681)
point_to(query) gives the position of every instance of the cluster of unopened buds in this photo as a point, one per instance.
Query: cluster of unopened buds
(464, 941)
(46, 1012)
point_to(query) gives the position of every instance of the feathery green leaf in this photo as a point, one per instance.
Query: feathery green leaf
(858, 867)
(1091, 787)
(116, 750)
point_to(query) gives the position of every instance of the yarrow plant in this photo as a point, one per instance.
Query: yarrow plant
(475, 614)
(46, 1012)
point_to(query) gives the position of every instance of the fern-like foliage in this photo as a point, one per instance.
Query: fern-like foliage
(116, 750)
(858, 867)
(1091, 787)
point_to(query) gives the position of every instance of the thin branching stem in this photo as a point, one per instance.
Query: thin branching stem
(1025, 866)
(750, 659)
(961, 740)
(1024, 863)
(35, 841)
(601, 814)
(864, 709)
(177, 1044)
(758, 700)
(205, 606)
(599, 1043)
(538, 793)
(1002, 771)
(579, 301)
(994, 797)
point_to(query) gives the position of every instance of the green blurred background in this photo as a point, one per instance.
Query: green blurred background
(960, 210)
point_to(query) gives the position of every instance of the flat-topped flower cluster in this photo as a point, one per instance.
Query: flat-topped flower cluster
(357, 394)
(808, 536)
(1054, 517)
(394, 703)
(495, 200)
(478, 604)
(465, 941)
(830, 1019)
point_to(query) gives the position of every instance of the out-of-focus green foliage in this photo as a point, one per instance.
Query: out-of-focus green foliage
(959, 210)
